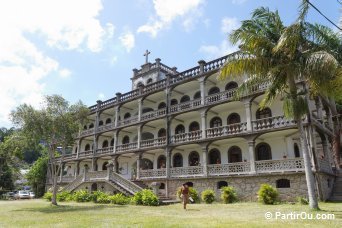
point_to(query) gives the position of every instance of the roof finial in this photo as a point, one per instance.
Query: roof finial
(146, 55)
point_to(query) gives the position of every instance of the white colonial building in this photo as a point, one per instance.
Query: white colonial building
(177, 127)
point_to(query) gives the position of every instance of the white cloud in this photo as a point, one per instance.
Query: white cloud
(113, 60)
(60, 24)
(128, 41)
(238, 2)
(229, 24)
(101, 96)
(166, 11)
(215, 51)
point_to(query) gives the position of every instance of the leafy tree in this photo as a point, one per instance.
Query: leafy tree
(54, 125)
(37, 175)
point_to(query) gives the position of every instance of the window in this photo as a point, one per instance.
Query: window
(140, 84)
(263, 113)
(85, 127)
(215, 122)
(104, 166)
(234, 154)
(178, 160)
(145, 110)
(296, 150)
(213, 90)
(162, 186)
(174, 102)
(146, 164)
(105, 144)
(214, 156)
(125, 140)
(149, 81)
(100, 123)
(263, 152)
(161, 162)
(76, 149)
(194, 158)
(91, 125)
(184, 98)
(87, 147)
(179, 129)
(231, 85)
(194, 126)
(221, 184)
(233, 118)
(147, 135)
(197, 95)
(190, 184)
(112, 142)
(162, 133)
(127, 115)
(161, 105)
(108, 120)
(283, 183)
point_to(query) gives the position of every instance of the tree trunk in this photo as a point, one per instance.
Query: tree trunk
(54, 186)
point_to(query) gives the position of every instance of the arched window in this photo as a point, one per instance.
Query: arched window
(263, 113)
(161, 162)
(112, 142)
(76, 149)
(214, 156)
(283, 183)
(194, 126)
(125, 140)
(174, 102)
(149, 81)
(140, 84)
(296, 150)
(162, 186)
(215, 122)
(221, 184)
(184, 98)
(231, 85)
(146, 164)
(105, 144)
(127, 115)
(93, 187)
(85, 127)
(100, 123)
(91, 125)
(179, 129)
(197, 95)
(190, 184)
(162, 105)
(104, 166)
(108, 120)
(233, 118)
(162, 133)
(87, 147)
(145, 110)
(147, 135)
(234, 154)
(194, 158)
(178, 160)
(214, 90)
(263, 152)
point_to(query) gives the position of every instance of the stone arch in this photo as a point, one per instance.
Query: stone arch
(104, 166)
(214, 156)
(112, 142)
(283, 183)
(213, 90)
(162, 186)
(147, 109)
(87, 147)
(91, 125)
(147, 135)
(263, 152)
(108, 120)
(127, 115)
(263, 113)
(161, 162)
(222, 184)
(296, 150)
(180, 129)
(140, 84)
(105, 144)
(161, 133)
(234, 154)
(215, 122)
(197, 95)
(173, 102)
(184, 99)
(149, 81)
(194, 126)
(161, 105)
(100, 123)
(194, 158)
(94, 187)
(233, 118)
(231, 85)
(189, 184)
(177, 160)
(125, 139)
(85, 127)
(146, 164)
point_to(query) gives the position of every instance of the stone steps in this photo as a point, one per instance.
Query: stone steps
(337, 190)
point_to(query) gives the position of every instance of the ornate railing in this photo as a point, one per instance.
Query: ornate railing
(153, 115)
(229, 169)
(96, 175)
(219, 97)
(153, 142)
(186, 171)
(67, 179)
(267, 166)
(129, 95)
(271, 123)
(69, 156)
(128, 146)
(154, 86)
(128, 121)
(87, 132)
(108, 103)
(126, 184)
(152, 173)
(106, 150)
(186, 137)
(185, 106)
(88, 153)
(230, 129)
(71, 186)
(107, 127)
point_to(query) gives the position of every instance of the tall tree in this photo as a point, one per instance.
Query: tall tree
(37, 175)
(54, 125)
(280, 55)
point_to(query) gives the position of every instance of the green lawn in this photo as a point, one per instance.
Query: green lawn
(39, 213)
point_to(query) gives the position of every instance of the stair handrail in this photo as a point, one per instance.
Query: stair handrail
(127, 184)
(72, 185)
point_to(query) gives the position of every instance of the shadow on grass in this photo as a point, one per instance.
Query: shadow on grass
(69, 208)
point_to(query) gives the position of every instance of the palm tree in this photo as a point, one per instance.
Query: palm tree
(270, 51)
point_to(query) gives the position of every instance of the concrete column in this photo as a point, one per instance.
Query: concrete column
(138, 165)
(202, 89)
(201, 64)
(139, 135)
(117, 114)
(204, 123)
(251, 148)
(115, 163)
(93, 164)
(109, 170)
(77, 169)
(85, 172)
(140, 104)
(116, 136)
(61, 171)
(205, 160)
(318, 104)
(168, 162)
(79, 147)
(248, 108)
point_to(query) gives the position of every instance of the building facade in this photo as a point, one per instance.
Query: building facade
(187, 127)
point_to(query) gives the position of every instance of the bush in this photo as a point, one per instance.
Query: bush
(267, 194)
(146, 197)
(228, 195)
(119, 199)
(137, 198)
(302, 200)
(208, 196)
(64, 196)
(192, 193)
(98, 194)
(82, 196)
(48, 196)
(103, 198)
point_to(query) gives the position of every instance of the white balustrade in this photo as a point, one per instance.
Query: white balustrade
(229, 169)
(219, 97)
(127, 121)
(87, 132)
(185, 106)
(88, 153)
(153, 142)
(106, 150)
(153, 114)
(272, 123)
(128, 146)
(230, 129)
(106, 127)
(68, 179)
(152, 173)
(267, 166)
(97, 175)
(186, 137)
(186, 171)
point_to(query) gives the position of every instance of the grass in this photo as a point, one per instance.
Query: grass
(39, 213)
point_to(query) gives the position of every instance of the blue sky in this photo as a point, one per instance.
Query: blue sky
(86, 50)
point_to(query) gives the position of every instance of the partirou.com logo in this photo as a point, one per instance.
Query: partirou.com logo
(295, 215)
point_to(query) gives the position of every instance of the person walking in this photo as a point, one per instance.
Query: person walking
(185, 194)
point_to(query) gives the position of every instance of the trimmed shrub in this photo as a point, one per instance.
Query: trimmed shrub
(103, 198)
(48, 196)
(64, 196)
(98, 194)
(208, 196)
(119, 199)
(267, 194)
(192, 193)
(302, 200)
(82, 196)
(137, 198)
(146, 197)
(228, 194)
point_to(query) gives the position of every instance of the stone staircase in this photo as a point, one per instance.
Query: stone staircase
(337, 190)
(140, 184)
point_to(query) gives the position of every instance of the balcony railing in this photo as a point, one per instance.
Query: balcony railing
(230, 168)
(186, 137)
(226, 130)
(152, 173)
(88, 153)
(87, 132)
(107, 127)
(185, 106)
(153, 115)
(126, 147)
(128, 121)
(272, 123)
(219, 97)
(106, 150)
(267, 166)
(153, 142)
(186, 171)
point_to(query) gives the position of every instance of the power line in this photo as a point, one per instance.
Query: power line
(323, 14)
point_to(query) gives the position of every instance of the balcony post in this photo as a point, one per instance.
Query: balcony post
(85, 172)
(140, 103)
(318, 104)
(115, 163)
(201, 64)
(77, 169)
(61, 171)
(168, 161)
(202, 89)
(117, 114)
(204, 123)
(78, 147)
(251, 146)
(109, 169)
(205, 159)
(116, 135)
(248, 108)
(93, 164)
(139, 135)
(138, 166)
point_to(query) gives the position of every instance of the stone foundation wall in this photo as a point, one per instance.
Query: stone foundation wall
(326, 185)
(101, 186)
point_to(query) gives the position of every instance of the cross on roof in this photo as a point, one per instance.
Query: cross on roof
(146, 55)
